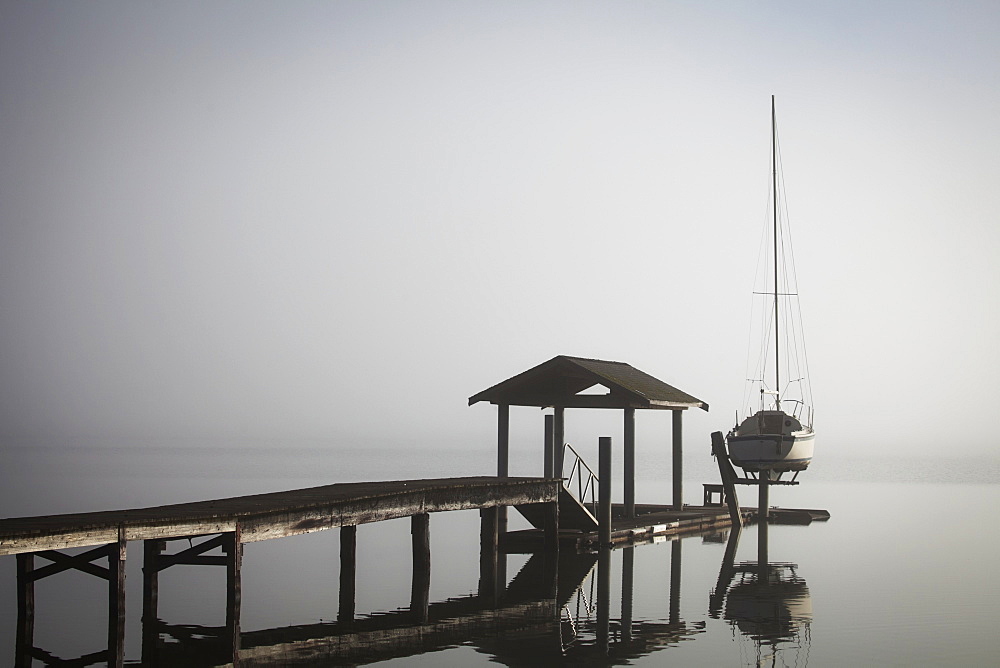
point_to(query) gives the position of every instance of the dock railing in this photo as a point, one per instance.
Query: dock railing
(583, 476)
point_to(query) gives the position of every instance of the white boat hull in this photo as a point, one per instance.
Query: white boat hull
(772, 452)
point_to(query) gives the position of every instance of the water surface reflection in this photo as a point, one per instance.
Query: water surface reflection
(558, 609)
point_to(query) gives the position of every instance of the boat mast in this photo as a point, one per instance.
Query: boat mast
(774, 189)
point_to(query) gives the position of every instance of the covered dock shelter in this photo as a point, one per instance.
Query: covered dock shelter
(563, 382)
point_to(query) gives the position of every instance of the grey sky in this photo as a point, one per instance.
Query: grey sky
(263, 220)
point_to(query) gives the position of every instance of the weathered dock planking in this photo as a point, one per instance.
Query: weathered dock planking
(229, 523)
(274, 515)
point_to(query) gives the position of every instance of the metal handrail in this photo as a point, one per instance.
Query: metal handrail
(585, 482)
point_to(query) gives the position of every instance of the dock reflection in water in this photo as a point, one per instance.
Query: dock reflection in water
(550, 612)
(556, 610)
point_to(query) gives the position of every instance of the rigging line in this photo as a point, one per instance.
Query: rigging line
(794, 277)
(790, 275)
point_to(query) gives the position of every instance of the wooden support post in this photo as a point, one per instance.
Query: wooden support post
(420, 590)
(25, 640)
(762, 519)
(503, 459)
(604, 491)
(232, 545)
(551, 527)
(348, 574)
(628, 578)
(728, 476)
(503, 440)
(678, 468)
(603, 598)
(559, 438)
(151, 550)
(549, 456)
(629, 463)
(488, 589)
(116, 600)
(675, 581)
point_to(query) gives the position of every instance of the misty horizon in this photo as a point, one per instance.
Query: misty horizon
(263, 223)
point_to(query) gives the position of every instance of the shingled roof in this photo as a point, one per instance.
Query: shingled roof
(559, 382)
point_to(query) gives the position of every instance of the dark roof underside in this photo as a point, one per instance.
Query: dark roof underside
(559, 381)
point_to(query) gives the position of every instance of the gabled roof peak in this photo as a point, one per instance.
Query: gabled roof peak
(559, 381)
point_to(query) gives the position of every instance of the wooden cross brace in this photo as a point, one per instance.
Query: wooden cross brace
(195, 555)
(80, 562)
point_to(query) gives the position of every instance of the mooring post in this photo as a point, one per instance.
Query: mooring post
(675, 581)
(232, 545)
(559, 438)
(628, 571)
(548, 465)
(116, 600)
(604, 490)
(348, 573)
(488, 582)
(421, 587)
(629, 463)
(25, 640)
(678, 463)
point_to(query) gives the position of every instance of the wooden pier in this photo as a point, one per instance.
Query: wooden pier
(227, 524)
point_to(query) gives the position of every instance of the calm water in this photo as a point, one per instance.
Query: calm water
(901, 575)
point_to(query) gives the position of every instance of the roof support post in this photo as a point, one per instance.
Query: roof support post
(678, 466)
(629, 463)
(503, 458)
(549, 455)
(503, 439)
(559, 438)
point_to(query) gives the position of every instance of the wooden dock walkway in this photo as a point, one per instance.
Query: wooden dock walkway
(227, 524)
(274, 515)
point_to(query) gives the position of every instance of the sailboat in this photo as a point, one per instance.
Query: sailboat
(779, 436)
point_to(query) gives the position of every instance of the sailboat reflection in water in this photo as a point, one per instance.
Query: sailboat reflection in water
(767, 602)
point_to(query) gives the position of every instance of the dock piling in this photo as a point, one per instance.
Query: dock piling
(348, 573)
(116, 600)
(488, 552)
(25, 607)
(604, 491)
(420, 590)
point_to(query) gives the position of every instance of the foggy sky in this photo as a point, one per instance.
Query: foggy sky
(245, 221)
